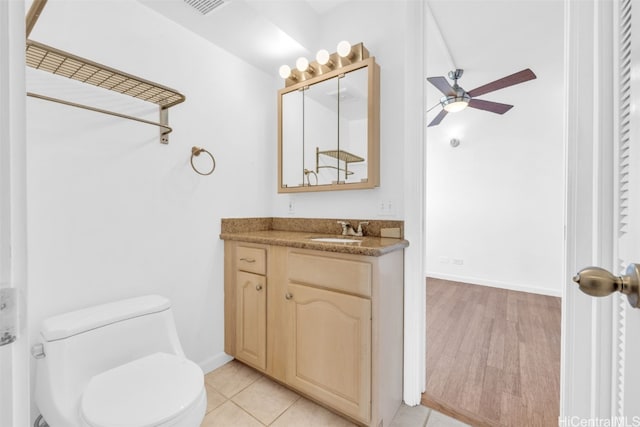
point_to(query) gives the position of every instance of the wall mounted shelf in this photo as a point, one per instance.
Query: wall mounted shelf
(59, 62)
(341, 155)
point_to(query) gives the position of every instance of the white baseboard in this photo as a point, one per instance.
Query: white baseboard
(214, 362)
(496, 284)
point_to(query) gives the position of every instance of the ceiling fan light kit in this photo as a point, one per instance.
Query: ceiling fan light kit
(453, 104)
(457, 99)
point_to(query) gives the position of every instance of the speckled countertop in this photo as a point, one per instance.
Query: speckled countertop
(298, 232)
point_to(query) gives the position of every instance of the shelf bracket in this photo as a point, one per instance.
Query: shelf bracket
(164, 121)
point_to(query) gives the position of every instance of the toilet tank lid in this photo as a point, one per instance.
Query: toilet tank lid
(79, 321)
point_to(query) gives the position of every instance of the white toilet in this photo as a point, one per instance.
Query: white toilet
(117, 364)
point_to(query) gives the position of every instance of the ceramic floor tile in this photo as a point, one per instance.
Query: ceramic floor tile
(304, 413)
(436, 419)
(229, 415)
(231, 378)
(411, 416)
(214, 399)
(265, 400)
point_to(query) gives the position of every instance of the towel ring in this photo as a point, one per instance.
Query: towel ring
(195, 151)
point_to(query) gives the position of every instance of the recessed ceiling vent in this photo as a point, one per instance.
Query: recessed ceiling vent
(204, 6)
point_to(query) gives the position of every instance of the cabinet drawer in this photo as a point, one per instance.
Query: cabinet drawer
(343, 275)
(251, 259)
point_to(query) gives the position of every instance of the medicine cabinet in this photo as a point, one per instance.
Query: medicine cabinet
(328, 130)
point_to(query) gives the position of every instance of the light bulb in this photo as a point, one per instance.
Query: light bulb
(302, 64)
(322, 57)
(284, 71)
(344, 48)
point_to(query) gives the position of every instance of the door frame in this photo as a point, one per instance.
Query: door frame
(588, 328)
(14, 358)
(591, 332)
(415, 321)
(591, 359)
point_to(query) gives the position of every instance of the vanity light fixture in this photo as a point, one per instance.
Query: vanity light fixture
(325, 62)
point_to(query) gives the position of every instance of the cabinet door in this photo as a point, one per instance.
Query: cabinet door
(330, 345)
(251, 317)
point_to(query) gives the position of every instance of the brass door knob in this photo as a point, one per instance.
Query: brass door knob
(598, 282)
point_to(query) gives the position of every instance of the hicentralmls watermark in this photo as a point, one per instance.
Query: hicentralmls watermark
(599, 422)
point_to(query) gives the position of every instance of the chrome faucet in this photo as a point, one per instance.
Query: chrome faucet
(347, 229)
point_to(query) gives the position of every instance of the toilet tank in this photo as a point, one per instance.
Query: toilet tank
(83, 343)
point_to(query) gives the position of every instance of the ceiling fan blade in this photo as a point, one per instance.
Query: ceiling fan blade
(438, 118)
(494, 107)
(442, 84)
(513, 79)
(436, 105)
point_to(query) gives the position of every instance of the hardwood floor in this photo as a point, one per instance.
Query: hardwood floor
(493, 355)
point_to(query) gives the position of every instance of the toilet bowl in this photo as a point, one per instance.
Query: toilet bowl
(157, 390)
(118, 364)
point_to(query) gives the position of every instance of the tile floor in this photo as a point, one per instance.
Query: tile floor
(239, 396)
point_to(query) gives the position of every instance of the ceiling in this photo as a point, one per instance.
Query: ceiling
(264, 33)
(489, 39)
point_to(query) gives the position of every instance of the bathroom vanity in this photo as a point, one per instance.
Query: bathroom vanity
(323, 318)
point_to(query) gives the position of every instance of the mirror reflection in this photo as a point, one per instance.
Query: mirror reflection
(325, 133)
(352, 126)
(292, 104)
(320, 130)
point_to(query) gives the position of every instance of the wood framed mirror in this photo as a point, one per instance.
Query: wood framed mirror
(329, 130)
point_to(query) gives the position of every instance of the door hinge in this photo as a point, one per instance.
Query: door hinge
(8, 315)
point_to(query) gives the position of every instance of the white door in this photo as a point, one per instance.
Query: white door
(14, 356)
(600, 373)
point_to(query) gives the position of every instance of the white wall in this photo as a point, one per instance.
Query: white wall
(112, 212)
(357, 22)
(495, 203)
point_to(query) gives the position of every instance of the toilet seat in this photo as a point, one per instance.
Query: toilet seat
(152, 391)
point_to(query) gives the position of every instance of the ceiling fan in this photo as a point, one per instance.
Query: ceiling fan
(457, 99)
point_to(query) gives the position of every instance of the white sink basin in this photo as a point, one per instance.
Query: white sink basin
(334, 240)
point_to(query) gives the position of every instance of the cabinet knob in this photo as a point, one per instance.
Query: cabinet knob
(258, 287)
(288, 295)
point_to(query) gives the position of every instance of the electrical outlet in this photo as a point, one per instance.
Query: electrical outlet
(457, 261)
(292, 207)
(386, 208)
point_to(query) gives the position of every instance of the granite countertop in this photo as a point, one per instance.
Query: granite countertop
(366, 245)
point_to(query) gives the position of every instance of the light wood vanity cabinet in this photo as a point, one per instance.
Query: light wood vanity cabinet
(333, 325)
